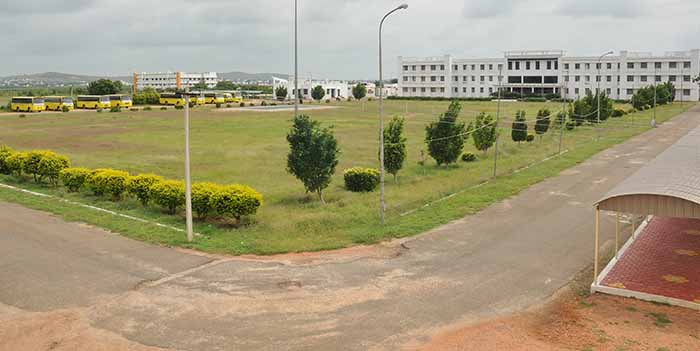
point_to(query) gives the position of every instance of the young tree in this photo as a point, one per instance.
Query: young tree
(445, 137)
(104, 87)
(317, 93)
(394, 147)
(226, 85)
(483, 131)
(281, 93)
(578, 111)
(313, 154)
(359, 91)
(542, 122)
(519, 128)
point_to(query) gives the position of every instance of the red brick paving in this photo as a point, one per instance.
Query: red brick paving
(664, 260)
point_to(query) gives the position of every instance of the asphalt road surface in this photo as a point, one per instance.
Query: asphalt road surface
(510, 256)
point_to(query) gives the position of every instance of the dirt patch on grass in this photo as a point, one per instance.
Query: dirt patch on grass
(578, 322)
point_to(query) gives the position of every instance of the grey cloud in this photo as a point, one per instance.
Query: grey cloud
(481, 9)
(16, 7)
(604, 8)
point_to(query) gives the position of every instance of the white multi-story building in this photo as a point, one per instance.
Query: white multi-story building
(173, 80)
(549, 72)
(333, 88)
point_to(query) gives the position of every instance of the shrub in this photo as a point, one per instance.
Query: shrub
(359, 179)
(619, 112)
(177, 107)
(519, 127)
(218, 105)
(169, 194)
(74, 178)
(51, 165)
(328, 101)
(135, 109)
(5, 152)
(108, 181)
(242, 104)
(15, 162)
(65, 109)
(22, 115)
(115, 109)
(570, 125)
(99, 110)
(530, 138)
(163, 108)
(445, 137)
(228, 105)
(202, 194)
(264, 103)
(140, 186)
(148, 108)
(236, 201)
(468, 157)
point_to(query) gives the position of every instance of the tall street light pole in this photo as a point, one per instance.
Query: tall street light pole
(653, 117)
(600, 78)
(382, 206)
(296, 62)
(562, 122)
(498, 117)
(188, 181)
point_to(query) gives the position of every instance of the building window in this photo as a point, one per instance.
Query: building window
(576, 91)
(597, 78)
(422, 79)
(556, 64)
(422, 90)
(500, 66)
(433, 78)
(473, 67)
(657, 65)
(490, 90)
(456, 90)
(455, 67)
(566, 78)
(482, 67)
(464, 67)
(433, 89)
(609, 91)
(577, 66)
(405, 90)
(442, 78)
(517, 65)
(630, 78)
(413, 89)
(405, 68)
(566, 66)
(657, 78)
(630, 65)
(643, 78)
(422, 67)
(514, 79)
(577, 78)
(588, 66)
(608, 78)
(442, 90)
(464, 90)
(405, 78)
(473, 90)
(481, 90)
(527, 65)
(598, 66)
(490, 78)
(490, 67)
(609, 65)
(442, 67)
(630, 91)
(433, 67)
(455, 78)
(671, 78)
(588, 78)
(464, 78)
(686, 92)
(413, 79)
(643, 65)
(549, 64)
(413, 68)
(672, 65)
(473, 78)
(482, 78)
(537, 65)
(686, 64)
(510, 65)
(686, 78)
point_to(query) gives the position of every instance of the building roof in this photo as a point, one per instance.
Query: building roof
(668, 186)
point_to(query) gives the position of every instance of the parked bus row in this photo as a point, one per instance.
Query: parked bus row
(59, 103)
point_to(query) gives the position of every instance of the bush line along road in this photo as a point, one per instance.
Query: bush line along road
(250, 148)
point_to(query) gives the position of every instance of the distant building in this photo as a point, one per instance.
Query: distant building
(549, 72)
(333, 88)
(173, 80)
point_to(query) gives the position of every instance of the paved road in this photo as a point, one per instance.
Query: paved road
(510, 256)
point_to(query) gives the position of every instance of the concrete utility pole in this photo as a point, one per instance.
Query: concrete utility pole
(598, 95)
(382, 206)
(653, 117)
(188, 182)
(562, 125)
(498, 117)
(296, 62)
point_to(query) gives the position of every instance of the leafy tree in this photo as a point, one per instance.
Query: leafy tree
(542, 122)
(313, 154)
(483, 131)
(591, 102)
(202, 85)
(561, 119)
(104, 87)
(445, 137)
(519, 132)
(394, 147)
(225, 85)
(697, 79)
(281, 93)
(665, 93)
(359, 91)
(317, 93)
(147, 96)
(644, 97)
(578, 111)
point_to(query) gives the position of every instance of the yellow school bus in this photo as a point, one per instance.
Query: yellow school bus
(56, 103)
(120, 101)
(93, 101)
(27, 104)
(214, 98)
(177, 99)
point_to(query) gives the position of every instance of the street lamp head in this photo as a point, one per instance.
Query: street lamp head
(403, 7)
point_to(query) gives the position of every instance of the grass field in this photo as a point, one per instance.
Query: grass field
(250, 148)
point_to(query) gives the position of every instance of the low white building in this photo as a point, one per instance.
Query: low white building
(549, 72)
(173, 80)
(333, 88)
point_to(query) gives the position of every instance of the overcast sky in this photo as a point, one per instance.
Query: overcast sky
(337, 37)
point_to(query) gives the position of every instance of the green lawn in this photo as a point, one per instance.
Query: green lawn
(250, 148)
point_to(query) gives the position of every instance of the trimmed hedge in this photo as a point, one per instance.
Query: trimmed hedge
(202, 194)
(108, 181)
(468, 157)
(169, 194)
(358, 179)
(15, 162)
(236, 201)
(140, 186)
(5, 152)
(74, 178)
